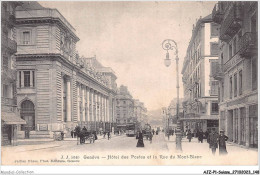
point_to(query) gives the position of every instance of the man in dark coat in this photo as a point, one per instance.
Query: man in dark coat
(72, 133)
(140, 142)
(213, 141)
(200, 136)
(189, 135)
(222, 143)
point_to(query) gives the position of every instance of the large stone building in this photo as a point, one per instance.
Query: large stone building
(124, 106)
(200, 88)
(9, 115)
(57, 89)
(237, 70)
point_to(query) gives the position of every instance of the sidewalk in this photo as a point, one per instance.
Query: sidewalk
(42, 143)
(237, 155)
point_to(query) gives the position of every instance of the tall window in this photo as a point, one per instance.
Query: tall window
(240, 83)
(5, 61)
(26, 78)
(230, 87)
(26, 37)
(235, 84)
(214, 48)
(223, 91)
(214, 108)
(214, 29)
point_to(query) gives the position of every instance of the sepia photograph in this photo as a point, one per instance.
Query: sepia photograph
(130, 83)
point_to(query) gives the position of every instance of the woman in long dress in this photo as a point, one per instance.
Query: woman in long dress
(140, 142)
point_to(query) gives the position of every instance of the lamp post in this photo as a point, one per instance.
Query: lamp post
(167, 45)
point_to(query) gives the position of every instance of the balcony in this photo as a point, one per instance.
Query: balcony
(217, 73)
(232, 22)
(8, 101)
(247, 45)
(8, 74)
(11, 45)
(218, 13)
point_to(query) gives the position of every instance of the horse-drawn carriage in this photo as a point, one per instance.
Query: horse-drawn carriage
(147, 131)
(86, 136)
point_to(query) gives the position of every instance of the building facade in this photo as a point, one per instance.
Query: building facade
(200, 101)
(124, 106)
(9, 117)
(56, 88)
(237, 70)
(140, 112)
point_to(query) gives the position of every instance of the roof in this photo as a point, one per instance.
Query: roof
(10, 118)
(30, 5)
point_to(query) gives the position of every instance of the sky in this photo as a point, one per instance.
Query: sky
(128, 36)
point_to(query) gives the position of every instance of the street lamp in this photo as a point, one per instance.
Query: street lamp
(167, 45)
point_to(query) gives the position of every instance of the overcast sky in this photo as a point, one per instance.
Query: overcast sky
(127, 37)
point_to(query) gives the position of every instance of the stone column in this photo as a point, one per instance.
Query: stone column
(247, 127)
(68, 104)
(78, 100)
(31, 79)
(87, 102)
(234, 125)
(107, 110)
(227, 122)
(95, 108)
(22, 79)
(239, 125)
(92, 105)
(83, 104)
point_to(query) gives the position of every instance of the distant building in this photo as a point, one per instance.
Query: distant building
(237, 70)
(200, 101)
(124, 106)
(56, 88)
(9, 115)
(140, 112)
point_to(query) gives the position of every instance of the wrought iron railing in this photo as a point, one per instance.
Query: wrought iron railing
(247, 41)
(234, 14)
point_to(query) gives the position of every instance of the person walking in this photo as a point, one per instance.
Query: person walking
(200, 136)
(189, 135)
(72, 133)
(222, 143)
(108, 135)
(140, 142)
(151, 137)
(213, 141)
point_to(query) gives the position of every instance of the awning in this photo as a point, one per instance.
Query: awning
(10, 118)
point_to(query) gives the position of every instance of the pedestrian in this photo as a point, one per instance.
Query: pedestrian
(156, 132)
(104, 134)
(200, 136)
(108, 135)
(84, 128)
(71, 133)
(151, 137)
(213, 141)
(153, 131)
(189, 135)
(140, 142)
(222, 143)
(62, 135)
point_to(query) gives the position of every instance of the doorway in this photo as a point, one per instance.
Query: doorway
(28, 114)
